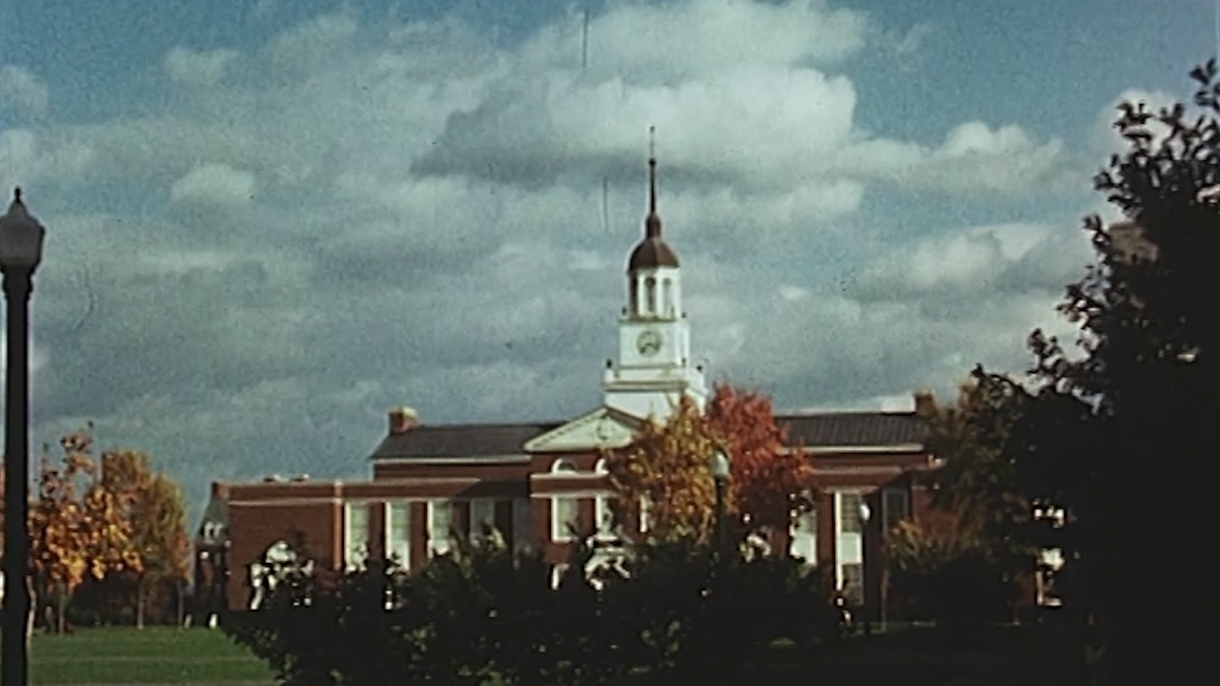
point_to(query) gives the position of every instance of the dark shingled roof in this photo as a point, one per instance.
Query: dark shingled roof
(854, 429)
(461, 440)
(839, 429)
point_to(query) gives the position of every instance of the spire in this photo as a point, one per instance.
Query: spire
(652, 225)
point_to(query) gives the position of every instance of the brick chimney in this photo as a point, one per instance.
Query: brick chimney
(402, 420)
(925, 403)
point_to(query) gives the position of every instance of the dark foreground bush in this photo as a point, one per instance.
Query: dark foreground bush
(484, 614)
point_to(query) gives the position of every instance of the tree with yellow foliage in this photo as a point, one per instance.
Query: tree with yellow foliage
(156, 513)
(668, 467)
(77, 526)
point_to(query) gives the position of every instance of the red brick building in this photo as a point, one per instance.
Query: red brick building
(531, 481)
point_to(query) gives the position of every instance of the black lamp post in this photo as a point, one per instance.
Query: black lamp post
(20, 251)
(720, 475)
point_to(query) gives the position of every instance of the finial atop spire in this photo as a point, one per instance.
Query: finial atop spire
(17, 194)
(652, 225)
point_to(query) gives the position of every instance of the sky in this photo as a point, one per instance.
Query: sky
(268, 222)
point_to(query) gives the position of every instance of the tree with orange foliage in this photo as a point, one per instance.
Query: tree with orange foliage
(77, 526)
(668, 468)
(768, 482)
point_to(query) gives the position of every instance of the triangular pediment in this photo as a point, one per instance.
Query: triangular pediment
(603, 428)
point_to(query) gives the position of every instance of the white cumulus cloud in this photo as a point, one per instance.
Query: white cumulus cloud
(214, 184)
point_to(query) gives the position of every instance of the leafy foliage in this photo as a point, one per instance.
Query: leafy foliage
(952, 578)
(1130, 409)
(669, 467)
(98, 522)
(483, 614)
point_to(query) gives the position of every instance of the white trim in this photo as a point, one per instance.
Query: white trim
(581, 493)
(559, 530)
(563, 462)
(603, 517)
(355, 548)
(288, 502)
(566, 476)
(447, 541)
(453, 460)
(400, 548)
(889, 448)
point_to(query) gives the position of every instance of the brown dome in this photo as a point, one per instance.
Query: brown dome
(650, 254)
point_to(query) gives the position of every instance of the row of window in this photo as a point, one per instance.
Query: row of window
(439, 527)
(566, 523)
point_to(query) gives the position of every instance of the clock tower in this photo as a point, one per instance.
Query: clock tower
(654, 368)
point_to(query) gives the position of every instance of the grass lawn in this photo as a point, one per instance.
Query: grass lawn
(154, 655)
(914, 657)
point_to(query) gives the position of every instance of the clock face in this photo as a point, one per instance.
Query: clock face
(649, 342)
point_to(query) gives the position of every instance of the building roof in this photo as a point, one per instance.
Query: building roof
(460, 440)
(854, 429)
(651, 253)
(823, 430)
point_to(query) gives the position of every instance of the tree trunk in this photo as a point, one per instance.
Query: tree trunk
(61, 606)
(29, 618)
(140, 604)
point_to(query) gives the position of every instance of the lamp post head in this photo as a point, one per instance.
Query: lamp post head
(20, 237)
(720, 465)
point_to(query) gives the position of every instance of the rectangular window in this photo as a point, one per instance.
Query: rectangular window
(805, 537)
(440, 527)
(897, 506)
(850, 520)
(357, 534)
(853, 583)
(565, 517)
(482, 518)
(522, 525)
(398, 534)
(603, 516)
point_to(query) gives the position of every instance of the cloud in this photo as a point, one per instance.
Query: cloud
(187, 67)
(672, 42)
(357, 215)
(23, 92)
(214, 184)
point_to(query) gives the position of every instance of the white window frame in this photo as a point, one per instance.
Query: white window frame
(398, 548)
(603, 516)
(797, 530)
(440, 545)
(560, 532)
(355, 549)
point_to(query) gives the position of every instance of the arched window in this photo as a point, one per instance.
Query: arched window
(650, 288)
(633, 295)
(563, 466)
(667, 289)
